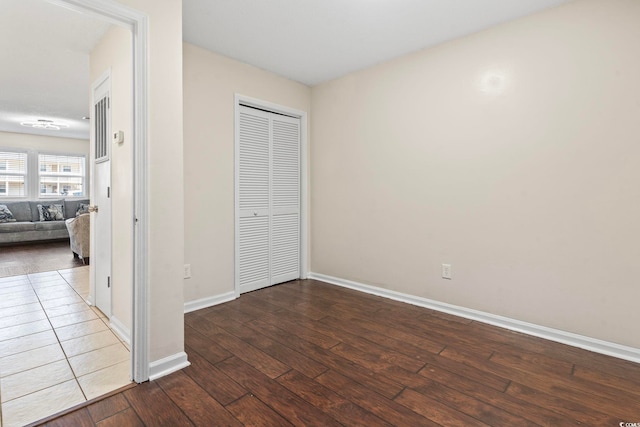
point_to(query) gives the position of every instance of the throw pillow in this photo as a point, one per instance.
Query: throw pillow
(83, 208)
(6, 215)
(50, 212)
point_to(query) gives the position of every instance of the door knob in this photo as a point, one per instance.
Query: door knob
(93, 208)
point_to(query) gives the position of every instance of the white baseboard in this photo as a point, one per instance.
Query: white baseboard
(121, 331)
(168, 365)
(569, 338)
(199, 304)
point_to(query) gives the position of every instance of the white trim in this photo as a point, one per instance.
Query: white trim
(168, 365)
(302, 115)
(138, 22)
(199, 304)
(121, 331)
(569, 338)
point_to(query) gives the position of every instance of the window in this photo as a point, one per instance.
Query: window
(61, 175)
(13, 174)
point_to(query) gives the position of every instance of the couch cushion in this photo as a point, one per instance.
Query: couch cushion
(51, 212)
(35, 214)
(6, 215)
(15, 227)
(50, 225)
(71, 207)
(21, 210)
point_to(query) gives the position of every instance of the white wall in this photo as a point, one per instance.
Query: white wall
(511, 154)
(210, 83)
(114, 53)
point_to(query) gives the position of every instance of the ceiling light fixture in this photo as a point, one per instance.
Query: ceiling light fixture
(45, 124)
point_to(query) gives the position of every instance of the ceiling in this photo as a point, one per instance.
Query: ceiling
(313, 41)
(44, 52)
(44, 49)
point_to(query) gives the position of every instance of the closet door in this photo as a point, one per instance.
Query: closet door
(285, 199)
(253, 200)
(268, 199)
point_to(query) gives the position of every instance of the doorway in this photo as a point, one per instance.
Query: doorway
(136, 25)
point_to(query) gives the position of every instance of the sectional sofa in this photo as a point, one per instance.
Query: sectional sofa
(28, 226)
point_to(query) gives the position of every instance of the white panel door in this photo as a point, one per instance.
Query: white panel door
(100, 197)
(268, 199)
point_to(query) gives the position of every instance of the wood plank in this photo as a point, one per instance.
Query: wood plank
(212, 380)
(203, 345)
(482, 393)
(582, 413)
(252, 412)
(521, 342)
(434, 410)
(154, 407)
(288, 356)
(386, 340)
(126, 418)
(376, 359)
(200, 407)
(250, 354)
(378, 383)
(598, 377)
(287, 299)
(389, 410)
(343, 337)
(571, 388)
(470, 406)
(80, 418)
(329, 401)
(108, 407)
(301, 332)
(534, 363)
(360, 325)
(295, 409)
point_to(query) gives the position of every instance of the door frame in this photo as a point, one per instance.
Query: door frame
(138, 23)
(240, 99)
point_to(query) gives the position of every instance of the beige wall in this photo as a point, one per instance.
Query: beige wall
(511, 154)
(210, 83)
(114, 53)
(47, 144)
(165, 176)
(44, 143)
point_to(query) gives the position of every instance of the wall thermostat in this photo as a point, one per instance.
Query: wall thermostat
(118, 137)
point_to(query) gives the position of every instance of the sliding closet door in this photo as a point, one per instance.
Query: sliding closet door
(268, 199)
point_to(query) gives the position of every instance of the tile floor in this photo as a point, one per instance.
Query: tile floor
(56, 351)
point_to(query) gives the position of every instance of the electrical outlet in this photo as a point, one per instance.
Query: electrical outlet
(446, 271)
(187, 271)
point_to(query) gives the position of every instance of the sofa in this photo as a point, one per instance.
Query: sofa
(26, 224)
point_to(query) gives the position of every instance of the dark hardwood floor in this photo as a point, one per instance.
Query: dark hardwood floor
(306, 353)
(16, 260)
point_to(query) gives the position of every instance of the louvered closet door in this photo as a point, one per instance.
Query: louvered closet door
(285, 199)
(253, 199)
(268, 199)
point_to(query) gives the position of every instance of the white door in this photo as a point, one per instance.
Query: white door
(267, 199)
(101, 197)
